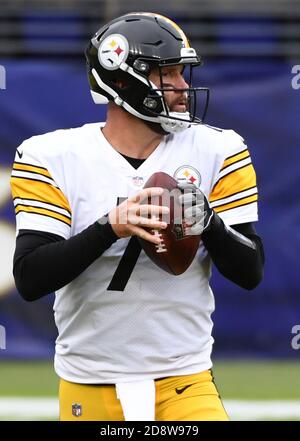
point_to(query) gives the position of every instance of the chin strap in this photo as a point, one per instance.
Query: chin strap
(175, 125)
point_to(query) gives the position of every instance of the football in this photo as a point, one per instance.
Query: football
(177, 250)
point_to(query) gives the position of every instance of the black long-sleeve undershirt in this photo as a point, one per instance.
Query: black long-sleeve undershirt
(237, 252)
(45, 262)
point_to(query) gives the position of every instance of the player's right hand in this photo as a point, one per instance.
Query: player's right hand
(133, 217)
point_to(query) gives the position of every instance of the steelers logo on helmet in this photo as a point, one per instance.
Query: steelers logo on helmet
(187, 173)
(113, 51)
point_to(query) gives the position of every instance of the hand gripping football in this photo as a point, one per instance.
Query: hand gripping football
(177, 250)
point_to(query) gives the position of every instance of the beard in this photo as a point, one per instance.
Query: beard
(179, 104)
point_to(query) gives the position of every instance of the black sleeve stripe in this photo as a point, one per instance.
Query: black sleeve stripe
(30, 172)
(233, 171)
(43, 202)
(241, 205)
(37, 180)
(236, 154)
(30, 165)
(42, 214)
(236, 200)
(43, 208)
(234, 163)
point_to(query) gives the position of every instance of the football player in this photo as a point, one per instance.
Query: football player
(134, 342)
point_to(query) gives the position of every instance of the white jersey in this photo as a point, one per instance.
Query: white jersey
(160, 325)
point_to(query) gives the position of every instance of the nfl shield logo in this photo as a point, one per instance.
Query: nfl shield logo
(76, 410)
(138, 180)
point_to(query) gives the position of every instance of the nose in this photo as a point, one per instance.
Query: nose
(180, 82)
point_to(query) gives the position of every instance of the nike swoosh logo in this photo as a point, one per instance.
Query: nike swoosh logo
(182, 389)
(20, 154)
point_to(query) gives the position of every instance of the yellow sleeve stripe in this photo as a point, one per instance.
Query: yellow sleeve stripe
(42, 211)
(25, 188)
(234, 196)
(237, 203)
(235, 158)
(234, 182)
(31, 168)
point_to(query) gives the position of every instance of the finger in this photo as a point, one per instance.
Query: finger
(143, 234)
(195, 230)
(146, 193)
(187, 198)
(186, 186)
(152, 209)
(196, 212)
(154, 222)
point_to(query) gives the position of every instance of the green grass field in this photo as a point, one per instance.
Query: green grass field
(236, 380)
(246, 380)
(265, 380)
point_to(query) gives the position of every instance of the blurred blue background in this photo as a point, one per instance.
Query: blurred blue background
(248, 62)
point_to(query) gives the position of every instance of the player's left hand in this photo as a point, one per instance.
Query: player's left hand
(197, 212)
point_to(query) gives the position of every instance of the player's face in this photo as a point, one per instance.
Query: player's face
(172, 77)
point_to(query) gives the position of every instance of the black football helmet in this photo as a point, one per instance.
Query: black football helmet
(120, 57)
